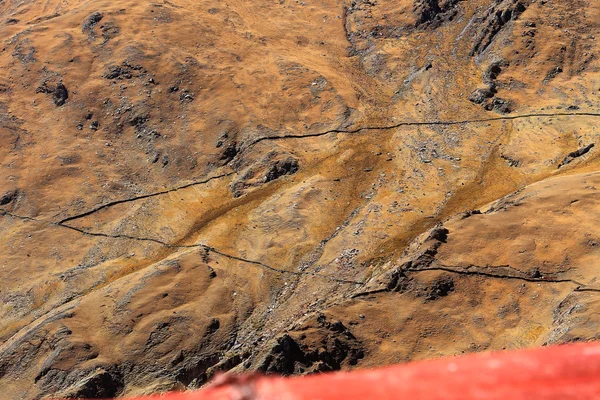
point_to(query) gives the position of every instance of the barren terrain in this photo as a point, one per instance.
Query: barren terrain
(291, 186)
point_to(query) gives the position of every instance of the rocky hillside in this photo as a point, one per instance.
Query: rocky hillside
(290, 187)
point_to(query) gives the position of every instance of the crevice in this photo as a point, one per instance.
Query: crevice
(587, 289)
(370, 293)
(141, 197)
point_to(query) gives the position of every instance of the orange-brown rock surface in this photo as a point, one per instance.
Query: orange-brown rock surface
(290, 186)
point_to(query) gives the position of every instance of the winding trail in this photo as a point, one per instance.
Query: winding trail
(63, 223)
(324, 133)
(141, 197)
(209, 249)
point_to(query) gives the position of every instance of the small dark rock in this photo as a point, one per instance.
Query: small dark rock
(8, 197)
(440, 234)
(337, 327)
(44, 88)
(61, 94)
(124, 71)
(229, 153)
(511, 161)
(212, 273)
(536, 274)
(91, 21)
(118, 72)
(470, 213)
(214, 326)
(288, 166)
(441, 287)
(398, 282)
(553, 73)
(499, 105)
(186, 97)
(492, 72)
(480, 95)
(138, 120)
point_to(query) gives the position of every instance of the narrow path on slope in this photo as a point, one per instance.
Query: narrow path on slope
(580, 287)
(189, 246)
(143, 196)
(62, 223)
(425, 123)
(324, 133)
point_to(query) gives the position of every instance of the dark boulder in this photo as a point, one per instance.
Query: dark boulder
(288, 166)
(61, 94)
(91, 21)
(8, 197)
(440, 287)
(480, 95)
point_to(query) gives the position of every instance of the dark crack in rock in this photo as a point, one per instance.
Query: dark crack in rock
(576, 154)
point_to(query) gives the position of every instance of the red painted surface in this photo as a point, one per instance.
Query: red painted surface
(563, 372)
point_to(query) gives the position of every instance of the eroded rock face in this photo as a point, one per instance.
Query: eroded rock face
(273, 166)
(93, 384)
(433, 12)
(329, 186)
(494, 19)
(310, 350)
(576, 154)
